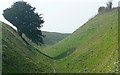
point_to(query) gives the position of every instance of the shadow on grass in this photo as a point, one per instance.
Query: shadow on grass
(63, 55)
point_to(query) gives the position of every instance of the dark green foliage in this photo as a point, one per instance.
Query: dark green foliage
(22, 16)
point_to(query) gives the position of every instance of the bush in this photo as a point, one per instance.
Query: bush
(101, 9)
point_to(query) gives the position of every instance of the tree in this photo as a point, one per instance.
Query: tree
(23, 17)
(109, 4)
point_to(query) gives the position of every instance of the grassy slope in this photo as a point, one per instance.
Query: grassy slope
(20, 54)
(95, 46)
(19, 57)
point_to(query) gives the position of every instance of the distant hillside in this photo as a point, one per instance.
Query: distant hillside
(50, 38)
(53, 37)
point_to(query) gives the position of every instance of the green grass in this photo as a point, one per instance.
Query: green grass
(19, 57)
(95, 44)
(93, 48)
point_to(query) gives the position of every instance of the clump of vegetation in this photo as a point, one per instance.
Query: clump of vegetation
(107, 8)
(102, 8)
(22, 15)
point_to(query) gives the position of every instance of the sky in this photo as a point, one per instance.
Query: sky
(64, 16)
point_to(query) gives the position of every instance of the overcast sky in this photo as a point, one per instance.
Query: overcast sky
(63, 16)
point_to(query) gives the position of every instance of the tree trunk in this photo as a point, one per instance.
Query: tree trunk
(20, 33)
